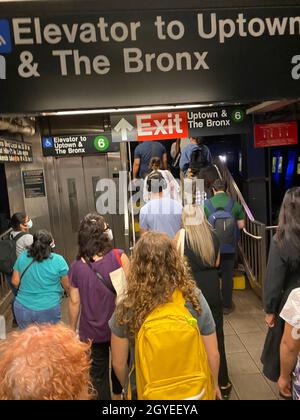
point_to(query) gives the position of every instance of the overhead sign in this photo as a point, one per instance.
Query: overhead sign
(218, 121)
(123, 128)
(147, 57)
(162, 126)
(179, 124)
(77, 145)
(13, 151)
(279, 134)
(34, 184)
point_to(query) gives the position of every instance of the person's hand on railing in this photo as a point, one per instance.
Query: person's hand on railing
(270, 320)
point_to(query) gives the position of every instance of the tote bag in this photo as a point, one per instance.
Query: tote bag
(118, 280)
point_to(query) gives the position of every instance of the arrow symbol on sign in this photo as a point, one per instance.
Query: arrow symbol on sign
(124, 126)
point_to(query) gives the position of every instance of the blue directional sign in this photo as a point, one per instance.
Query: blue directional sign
(5, 38)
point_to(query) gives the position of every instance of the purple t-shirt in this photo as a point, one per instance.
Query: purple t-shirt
(97, 301)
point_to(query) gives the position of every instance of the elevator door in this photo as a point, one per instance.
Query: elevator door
(77, 182)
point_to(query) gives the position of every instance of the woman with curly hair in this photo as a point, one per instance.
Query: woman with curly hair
(157, 271)
(44, 362)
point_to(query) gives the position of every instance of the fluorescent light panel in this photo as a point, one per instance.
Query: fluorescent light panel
(123, 110)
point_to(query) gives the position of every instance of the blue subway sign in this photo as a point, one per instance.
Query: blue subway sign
(5, 39)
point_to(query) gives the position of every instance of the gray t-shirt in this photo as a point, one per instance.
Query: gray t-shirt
(206, 326)
(24, 242)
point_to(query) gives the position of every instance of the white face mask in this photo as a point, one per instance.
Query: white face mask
(52, 245)
(109, 234)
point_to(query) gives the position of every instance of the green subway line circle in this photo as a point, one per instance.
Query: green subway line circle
(101, 143)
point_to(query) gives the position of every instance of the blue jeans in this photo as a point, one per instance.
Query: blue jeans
(25, 316)
(8, 278)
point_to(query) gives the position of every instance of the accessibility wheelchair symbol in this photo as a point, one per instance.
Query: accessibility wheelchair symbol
(5, 38)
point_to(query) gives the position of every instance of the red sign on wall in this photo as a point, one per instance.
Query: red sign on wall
(162, 126)
(279, 134)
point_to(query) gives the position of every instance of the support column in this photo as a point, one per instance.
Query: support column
(255, 178)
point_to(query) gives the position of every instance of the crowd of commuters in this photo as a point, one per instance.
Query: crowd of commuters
(165, 335)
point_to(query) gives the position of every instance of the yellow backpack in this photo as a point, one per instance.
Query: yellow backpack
(170, 358)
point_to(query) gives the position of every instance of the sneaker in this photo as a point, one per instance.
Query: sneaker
(227, 311)
(226, 391)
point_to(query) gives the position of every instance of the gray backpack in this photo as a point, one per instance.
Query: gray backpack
(225, 226)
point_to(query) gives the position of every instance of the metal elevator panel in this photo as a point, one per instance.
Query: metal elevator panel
(78, 189)
(72, 199)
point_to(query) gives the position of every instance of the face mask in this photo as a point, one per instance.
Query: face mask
(109, 234)
(52, 245)
(29, 224)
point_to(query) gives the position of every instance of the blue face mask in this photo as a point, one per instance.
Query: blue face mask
(29, 224)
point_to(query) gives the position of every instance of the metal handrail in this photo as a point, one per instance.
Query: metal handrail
(4, 289)
(252, 236)
(5, 234)
(232, 185)
(254, 241)
(131, 200)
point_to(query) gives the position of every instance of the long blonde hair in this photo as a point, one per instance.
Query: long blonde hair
(156, 270)
(199, 233)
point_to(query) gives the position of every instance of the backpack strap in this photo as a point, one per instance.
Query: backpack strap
(229, 206)
(106, 283)
(29, 265)
(118, 257)
(210, 207)
(178, 298)
(18, 236)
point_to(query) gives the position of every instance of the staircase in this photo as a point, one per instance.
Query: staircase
(255, 238)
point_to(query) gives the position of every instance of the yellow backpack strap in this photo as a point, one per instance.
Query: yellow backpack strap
(178, 298)
(129, 390)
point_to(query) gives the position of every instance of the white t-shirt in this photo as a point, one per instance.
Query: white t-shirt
(172, 191)
(291, 315)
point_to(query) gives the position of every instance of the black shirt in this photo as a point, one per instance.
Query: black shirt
(206, 276)
(283, 275)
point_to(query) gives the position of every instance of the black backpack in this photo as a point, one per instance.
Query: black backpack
(8, 253)
(199, 159)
